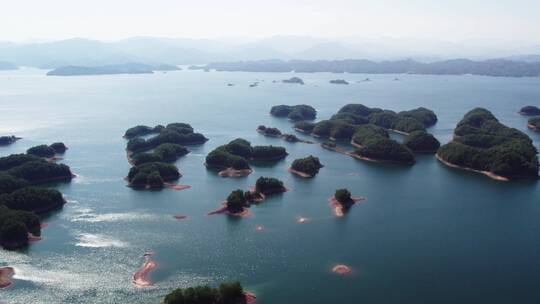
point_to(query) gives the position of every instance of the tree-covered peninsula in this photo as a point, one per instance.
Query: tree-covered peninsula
(127, 68)
(236, 154)
(226, 293)
(20, 199)
(481, 143)
(294, 113)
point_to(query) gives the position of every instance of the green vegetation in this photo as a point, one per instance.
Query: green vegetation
(365, 132)
(385, 149)
(269, 131)
(343, 196)
(41, 151)
(295, 113)
(163, 153)
(304, 126)
(530, 111)
(152, 175)
(226, 293)
(33, 199)
(47, 151)
(269, 185)
(309, 165)
(236, 154)
(534, 123)
(482, 143)
(7, 140)
(174, 133)
(290, 137)
(19, 201)
(236, 201)
(423, 142)
(423, 115)
(58, 147)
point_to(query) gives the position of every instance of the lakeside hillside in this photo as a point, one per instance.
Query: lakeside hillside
(495, 67)
(128, 68)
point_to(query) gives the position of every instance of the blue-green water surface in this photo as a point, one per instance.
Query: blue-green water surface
(426, 234)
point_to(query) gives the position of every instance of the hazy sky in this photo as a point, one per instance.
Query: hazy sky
(114, 19)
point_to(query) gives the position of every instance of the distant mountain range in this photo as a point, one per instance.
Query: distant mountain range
(498, 67)
(152, 50)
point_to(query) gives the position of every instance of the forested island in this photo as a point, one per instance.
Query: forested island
(127, 68)
(269, 186)
(8, 140)
(530, 111)
(482, 144)
(151, 158)
(296, 80)
(366, 128)
(173, 133)
(21, 199)
(232, 158)
(342, 201)
(226, 293)
(339, 81)
(306, 167)
(494, 67)
(294, 113)
(534, 124)
(275, 132)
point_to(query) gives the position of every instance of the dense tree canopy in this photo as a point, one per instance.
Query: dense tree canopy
(41, 151)
(236, 154)
(386, 149)
(530, 110)
(226, 293)
(309, 165)
(421, 141)
(236, 201)
(483, 143)
(305, 126)
(33, 199)
(7, 140)
(534, 123)
(343, 196)
(296, 113)
(269, 185)
(173, 133)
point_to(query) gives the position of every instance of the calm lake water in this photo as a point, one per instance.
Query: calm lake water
(426, 234)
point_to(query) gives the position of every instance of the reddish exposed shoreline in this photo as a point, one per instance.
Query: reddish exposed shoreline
(231, 172)
(300, 173)
(141, 277)
(342, 269)
(223, 210)
(486, 173)
(532, 127)
(5, 276)
(339, 209)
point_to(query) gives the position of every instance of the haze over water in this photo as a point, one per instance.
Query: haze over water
(426, 234)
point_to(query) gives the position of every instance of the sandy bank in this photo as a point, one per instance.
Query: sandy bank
(250, 297)
(5, 276)
(342, 270)
(223, 210)
(179, 217)
(300, 173)
(176, 187)
(231, 172)
(33, 238)
(339, 209)
(486, 173)
(142, 277)
(532, 127)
